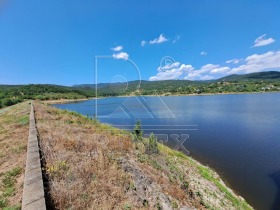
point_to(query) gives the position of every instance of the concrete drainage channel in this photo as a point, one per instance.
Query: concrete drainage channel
(33, 189)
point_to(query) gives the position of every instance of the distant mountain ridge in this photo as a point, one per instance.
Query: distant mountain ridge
(253, 82)
(269, 75)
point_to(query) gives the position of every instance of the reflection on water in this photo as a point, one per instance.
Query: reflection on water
(238, 135)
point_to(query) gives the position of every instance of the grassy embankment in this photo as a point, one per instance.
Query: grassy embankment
(14, 124)
(93, 164)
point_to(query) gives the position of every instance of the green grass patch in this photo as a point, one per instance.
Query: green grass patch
(145, 158)
(9, 192)
(12, 208)
(8, 181)
(3, 202)
(9, 177)
(23, 120)
(127, 206)
(19, 148)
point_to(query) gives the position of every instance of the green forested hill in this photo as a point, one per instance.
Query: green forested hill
(12, 94)
(254, 82)
(270, 75)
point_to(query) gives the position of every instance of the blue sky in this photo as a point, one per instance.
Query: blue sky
(57, 42)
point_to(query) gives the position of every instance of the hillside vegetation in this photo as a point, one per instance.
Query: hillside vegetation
(255, 82)
(12, 94)
(270, 75)
(89, 164)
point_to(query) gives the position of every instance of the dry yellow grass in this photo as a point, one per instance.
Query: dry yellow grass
(94, 166)
(83, 171)
(14, 124)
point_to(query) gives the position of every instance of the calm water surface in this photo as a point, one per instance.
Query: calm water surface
(237, 135)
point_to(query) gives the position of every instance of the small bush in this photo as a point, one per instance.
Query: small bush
(3, 202)
(127, 206)
(7, 102)
(58, 169)
(152, 146)
(174, 205)
(137, 132)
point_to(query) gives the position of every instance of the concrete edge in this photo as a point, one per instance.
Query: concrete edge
(33, 189)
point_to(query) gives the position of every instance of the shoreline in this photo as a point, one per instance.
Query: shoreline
(220, 173)
(202, 94)
(67, 101)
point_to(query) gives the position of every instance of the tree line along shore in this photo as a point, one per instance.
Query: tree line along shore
(250, 83)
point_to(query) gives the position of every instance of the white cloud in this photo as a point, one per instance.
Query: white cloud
(143, 43)
(176, 72)
(220, 70)
(192, 76)
(203, 53)
(168, 66)
(207, 77)
(176, 39)
(253, 63)
(159, 40)
(118, 48)
(121, 55)
(207, 68)
(167, 75)
(259, 62)
(235, 61)
(186, 68)
(204, 71)
(262, 41)
(188, 72)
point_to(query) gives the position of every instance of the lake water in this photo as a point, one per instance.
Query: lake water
(237, 135)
